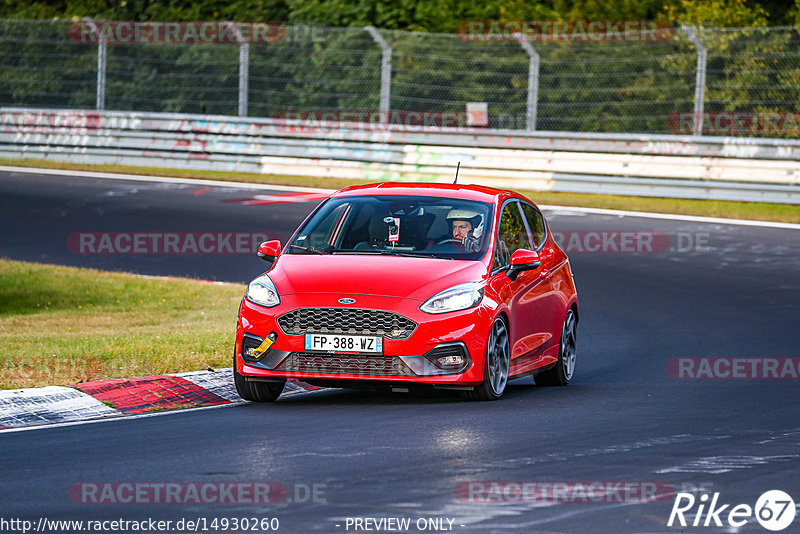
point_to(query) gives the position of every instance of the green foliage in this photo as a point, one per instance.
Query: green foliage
(40, 66)
(243, 10)
(583, 86)
(414, 15)
(719, 13)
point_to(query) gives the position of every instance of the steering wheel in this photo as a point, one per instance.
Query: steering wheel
(470, 244)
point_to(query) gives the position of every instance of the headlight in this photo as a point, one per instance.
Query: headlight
(262, 291)
(456, 298)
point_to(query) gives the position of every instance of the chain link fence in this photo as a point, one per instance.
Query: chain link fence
(747, 75)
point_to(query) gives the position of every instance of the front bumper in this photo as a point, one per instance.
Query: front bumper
(410, 360)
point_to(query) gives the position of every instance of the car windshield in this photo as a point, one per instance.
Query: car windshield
(422, 226)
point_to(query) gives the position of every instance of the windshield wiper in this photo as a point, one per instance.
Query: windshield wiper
(308, 249)
(384, 252)
(408, 254)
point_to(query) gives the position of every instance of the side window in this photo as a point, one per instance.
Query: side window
(512, 235)
(327, 230)
(535, 224)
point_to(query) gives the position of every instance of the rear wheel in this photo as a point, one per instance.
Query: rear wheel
(562, 372)
(256, 391)
(495, 374)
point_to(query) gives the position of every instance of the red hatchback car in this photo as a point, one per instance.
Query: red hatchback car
(400, 285)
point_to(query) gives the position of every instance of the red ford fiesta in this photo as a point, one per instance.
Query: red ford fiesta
(402, 285)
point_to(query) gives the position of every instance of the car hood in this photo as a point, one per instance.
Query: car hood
(388, 276)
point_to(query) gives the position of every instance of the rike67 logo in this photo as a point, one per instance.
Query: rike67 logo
(774, 510)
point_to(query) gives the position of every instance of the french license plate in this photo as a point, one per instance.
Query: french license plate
(343, 343)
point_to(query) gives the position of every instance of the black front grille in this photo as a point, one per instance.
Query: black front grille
(352, 321)
(338, 364)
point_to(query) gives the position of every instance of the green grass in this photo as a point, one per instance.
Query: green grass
(709, 208)
(63, 325)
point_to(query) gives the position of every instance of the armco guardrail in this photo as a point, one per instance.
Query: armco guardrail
(745, 169)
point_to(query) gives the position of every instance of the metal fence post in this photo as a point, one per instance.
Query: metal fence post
(533, 82)
(386, 71)
(244, 68)
(102, 47)
(700, 82)
(244, 77)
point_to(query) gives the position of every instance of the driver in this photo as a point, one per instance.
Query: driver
(463, 223)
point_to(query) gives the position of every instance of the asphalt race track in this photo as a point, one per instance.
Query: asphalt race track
(631, 415)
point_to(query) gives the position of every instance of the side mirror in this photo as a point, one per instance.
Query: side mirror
(269, 250)
(522, 260)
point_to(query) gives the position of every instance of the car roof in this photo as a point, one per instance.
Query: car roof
(465, 192)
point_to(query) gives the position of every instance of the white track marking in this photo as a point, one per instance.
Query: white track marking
(715, 465)
(51, 404)
(120, 417)
(218, 382)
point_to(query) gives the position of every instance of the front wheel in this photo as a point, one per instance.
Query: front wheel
(562, 372)
(256, 391)
(495, 374)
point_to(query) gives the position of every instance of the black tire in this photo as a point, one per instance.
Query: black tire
(256, 391)
(495, 373)
(564, 369)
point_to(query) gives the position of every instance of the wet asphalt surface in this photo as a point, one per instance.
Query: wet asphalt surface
(702, 290)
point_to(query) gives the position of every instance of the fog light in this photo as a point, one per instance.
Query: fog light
(254, 348)
(452, 356)
(451, 360)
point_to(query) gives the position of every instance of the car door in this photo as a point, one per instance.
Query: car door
(527, 297)
(555, 277)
